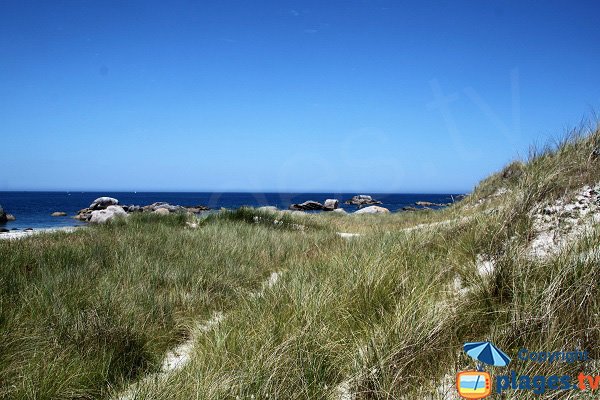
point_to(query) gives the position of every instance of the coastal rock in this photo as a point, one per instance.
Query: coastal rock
(331, 204)
(3, 218)
(83, 215)
(340, 211)
(197, 209)
(103, 203)
(267, 209)
(132, 208)
(409, 208)
(430, 204)
(10, 217)
(425, 203)
(361, 200)
(162, 205)
(58, 214)
(110, 213)
(372, 210)
(4, 230)
(307, 206)
(161, 211)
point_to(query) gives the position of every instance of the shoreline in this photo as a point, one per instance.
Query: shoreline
(14, 235)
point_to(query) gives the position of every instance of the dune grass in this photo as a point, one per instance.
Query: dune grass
(380, 316)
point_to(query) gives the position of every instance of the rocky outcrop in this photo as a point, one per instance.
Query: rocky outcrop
(104, 216)
(331, 204)
(10, 217)
(362, 200)
(58, 214)
(372, 210)
(102, 203)
(3, 218)
(307, 206)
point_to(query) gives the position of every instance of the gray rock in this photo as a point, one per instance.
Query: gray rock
(307, 206)
(340, 211)
(361, 200)
(104, 216)
(162, 205)
(372, 210)
(10, 217)
(197, 209)
(58, 214)
(102, 203)
(409, 208)
(161, 211)
(3, 218)
(331, 204)
(268, 208)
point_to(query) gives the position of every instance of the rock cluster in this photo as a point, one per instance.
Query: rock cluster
(307, 206)
(329, 205)
(104, 209)
(362, 200)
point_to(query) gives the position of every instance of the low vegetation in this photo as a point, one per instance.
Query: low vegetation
(378, 316)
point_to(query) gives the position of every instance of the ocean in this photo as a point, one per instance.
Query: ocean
(33, 209)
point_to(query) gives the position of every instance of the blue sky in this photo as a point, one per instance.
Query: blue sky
(357, 96)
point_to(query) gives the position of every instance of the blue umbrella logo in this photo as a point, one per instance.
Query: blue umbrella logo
(486, 353)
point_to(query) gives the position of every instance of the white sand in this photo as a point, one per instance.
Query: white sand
(14, 235)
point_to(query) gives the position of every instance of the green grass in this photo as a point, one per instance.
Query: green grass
(83, 315)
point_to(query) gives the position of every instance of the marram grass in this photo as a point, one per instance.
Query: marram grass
(381, 316)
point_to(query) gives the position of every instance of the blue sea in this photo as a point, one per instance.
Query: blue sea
(33, 209)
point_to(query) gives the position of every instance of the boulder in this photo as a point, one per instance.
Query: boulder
(307, 206)
(162, 205)
(361, 200)
(331, 204)
(372, 210)
(197, 209)
(132, 208)
(425, 203)
(3, 218)
(161, 211)
(409, 208)
(4, 230)
(104, 216)
(102, 203)
(10, 217)
(58, 214)
(340, 211)
(267, 209)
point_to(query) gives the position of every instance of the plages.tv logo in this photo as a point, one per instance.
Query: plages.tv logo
(477, 384)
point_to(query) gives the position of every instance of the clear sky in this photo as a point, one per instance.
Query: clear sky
(358, 96)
